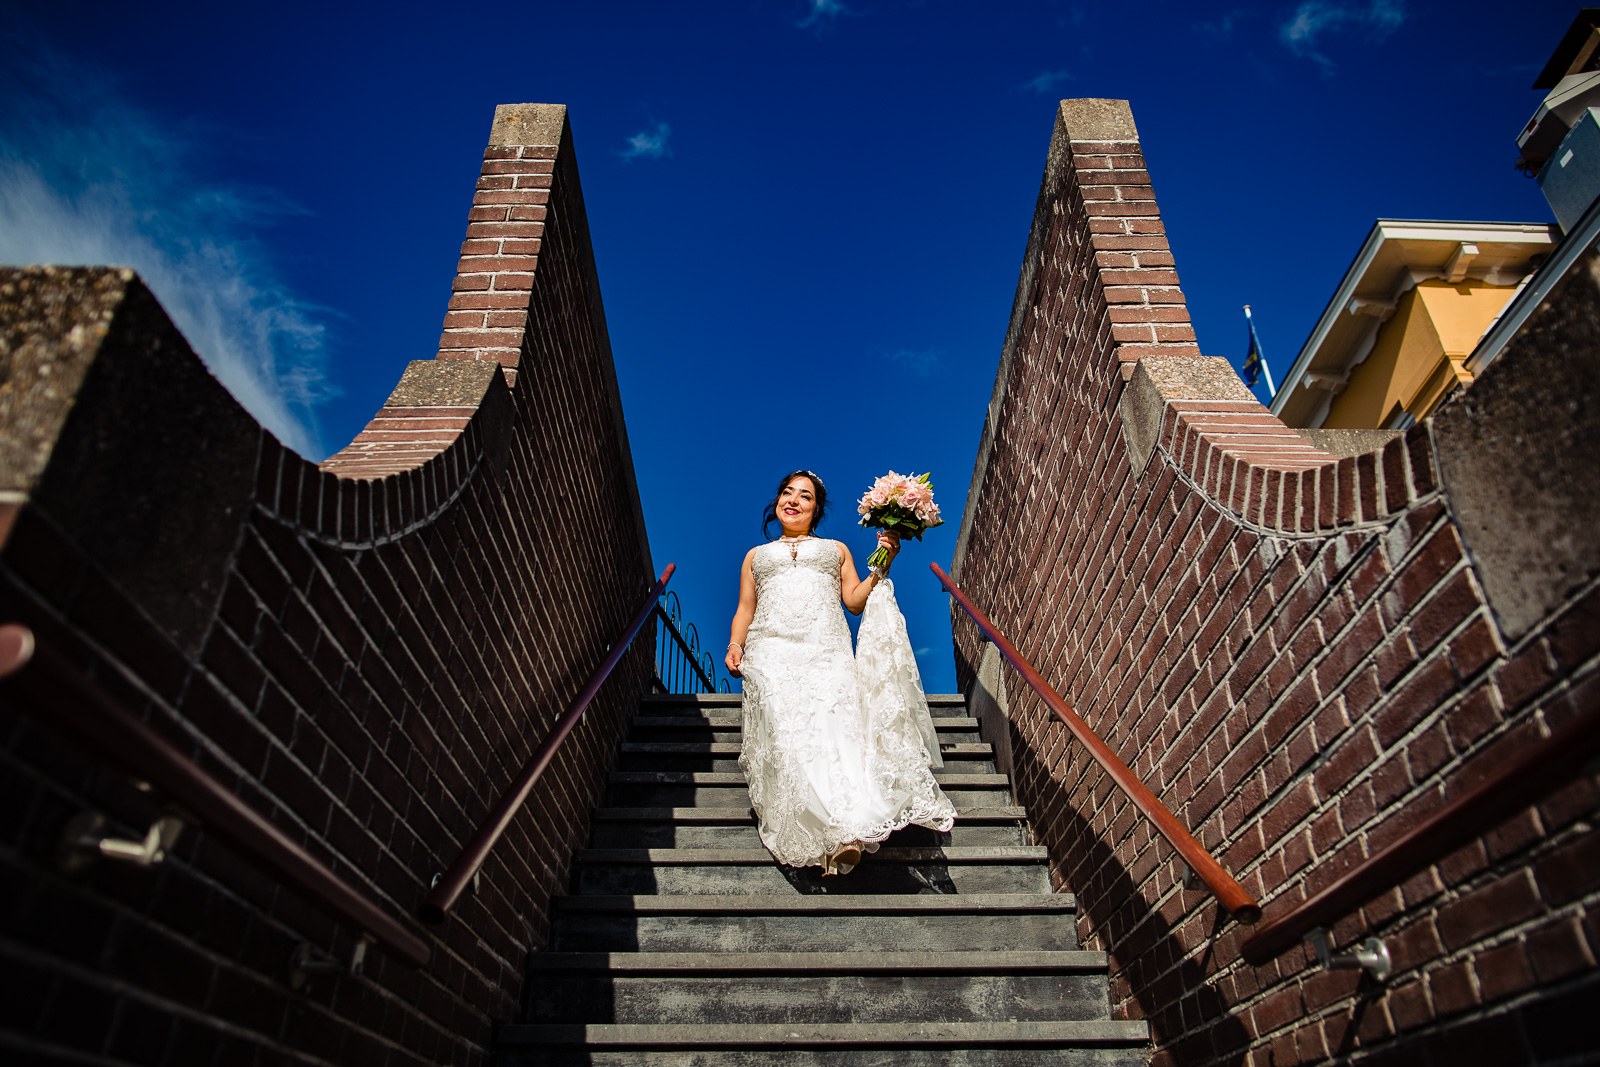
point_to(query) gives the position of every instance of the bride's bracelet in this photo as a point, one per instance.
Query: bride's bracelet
(735, 644)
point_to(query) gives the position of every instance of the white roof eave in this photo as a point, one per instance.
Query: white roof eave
(1382, 232)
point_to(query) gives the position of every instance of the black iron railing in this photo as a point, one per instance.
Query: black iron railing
(682, 666)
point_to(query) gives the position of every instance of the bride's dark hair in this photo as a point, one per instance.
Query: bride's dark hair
(770, 516)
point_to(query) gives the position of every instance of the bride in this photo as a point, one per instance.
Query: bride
(837, 747)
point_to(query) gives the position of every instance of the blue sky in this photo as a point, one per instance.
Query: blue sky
(808, 217)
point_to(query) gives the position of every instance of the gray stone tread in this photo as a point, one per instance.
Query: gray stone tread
(735, 699)
(734, 722)
(844, 1035)
(747, 816)
(723, 748)
(1064, 961)
(888, 904)
(993, 781)
(708, 857)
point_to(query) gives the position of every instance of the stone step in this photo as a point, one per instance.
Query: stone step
(990, 869)
(746, 815)
(971, 750)
(974, 904)
(1070, 1043)
(725, 730)
(736, 828)
(1038, 922)
(729, 764)
(753, 857)
(839, 1055)
(791, 964)
(816, 987)
(734, 700)
(721, 721)
(987, 781)
(719, 789)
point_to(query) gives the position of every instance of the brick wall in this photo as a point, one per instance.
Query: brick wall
(366, 651)
(1300, 655)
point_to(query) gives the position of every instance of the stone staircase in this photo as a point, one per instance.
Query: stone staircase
(684, 943)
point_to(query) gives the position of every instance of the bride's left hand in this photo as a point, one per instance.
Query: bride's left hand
(890, 543)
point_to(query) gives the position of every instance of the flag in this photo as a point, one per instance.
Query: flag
(1252, 360)
(1255, 364)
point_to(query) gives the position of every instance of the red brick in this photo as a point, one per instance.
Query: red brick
(1390, 781)
(1502, 971)
(1452, 989)
(1409, 1007)
(1572, 871)
(1485, 911)
(1446, 608)
(1414, 701)
(1288, 812)
(1427, 752)
(1567, 804)
(1354, 755)
(1474, 648)
(1518, 831)
(1471, 718)
(1559, 950)
(1575, 636)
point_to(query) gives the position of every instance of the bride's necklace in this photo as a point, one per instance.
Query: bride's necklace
(794, 546)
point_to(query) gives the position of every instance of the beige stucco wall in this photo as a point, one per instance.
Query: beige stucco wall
(1419, 353)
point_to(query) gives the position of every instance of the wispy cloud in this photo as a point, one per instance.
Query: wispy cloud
(919, 363)
(924, 650)
(1314, 18)
(649, 144)
(821, 14)
(86, 178)
(1047, 82)
(1221, 27)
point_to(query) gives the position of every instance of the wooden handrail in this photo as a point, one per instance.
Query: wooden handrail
(56, 693)
(448, 889)
(1229, 893)
(1516, 782)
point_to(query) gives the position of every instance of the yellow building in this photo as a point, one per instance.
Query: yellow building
(1394, 340)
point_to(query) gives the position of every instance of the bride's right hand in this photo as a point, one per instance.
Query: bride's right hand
(734, 659)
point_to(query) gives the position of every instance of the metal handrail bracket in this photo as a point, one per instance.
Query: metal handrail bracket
(1229, 893)
(55, 691)
(449, 886)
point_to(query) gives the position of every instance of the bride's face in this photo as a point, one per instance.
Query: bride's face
(796, 506)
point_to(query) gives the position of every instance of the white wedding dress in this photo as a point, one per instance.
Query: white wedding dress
(837, 747)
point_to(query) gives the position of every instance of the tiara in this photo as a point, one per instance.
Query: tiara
(814, 476)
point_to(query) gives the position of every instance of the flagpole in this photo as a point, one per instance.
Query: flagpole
(1272, 390)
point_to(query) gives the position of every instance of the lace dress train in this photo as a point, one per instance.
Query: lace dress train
(838, 746)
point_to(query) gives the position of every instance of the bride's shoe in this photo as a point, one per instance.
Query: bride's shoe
(850, 854)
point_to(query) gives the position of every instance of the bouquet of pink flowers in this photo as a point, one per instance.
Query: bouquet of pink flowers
(902, 504)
